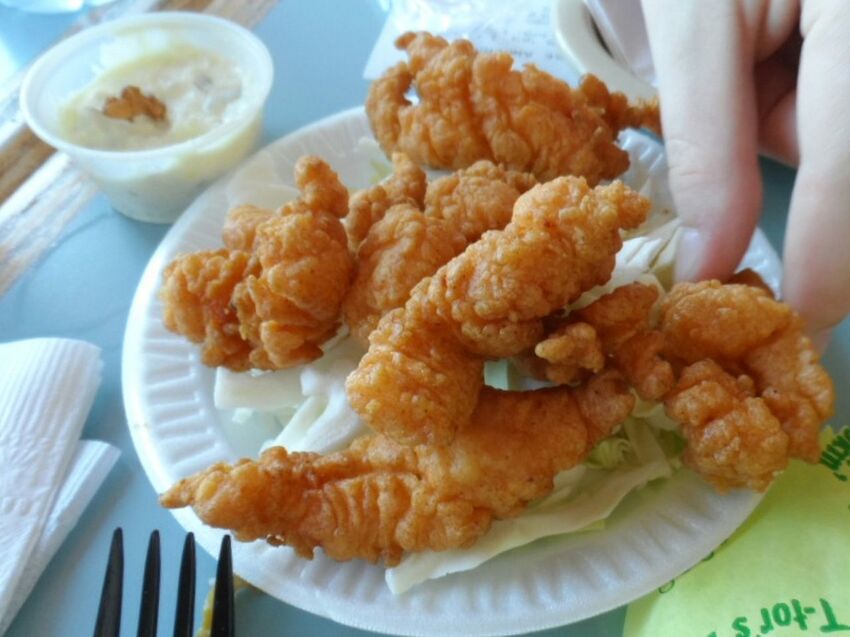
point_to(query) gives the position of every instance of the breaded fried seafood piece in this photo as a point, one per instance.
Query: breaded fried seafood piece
(240, 226)
(477, 199)
(561, 241)
(195, 294)
(759, 344)
(406, 184)
(733, 438)
(400, 250)
(415, 383)
(489, 302)
(615, 330)
(377, 499)
(730, 363)
(407, 245)
(475, 106)
(273, 296)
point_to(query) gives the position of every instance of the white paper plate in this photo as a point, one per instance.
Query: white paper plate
(655, 535)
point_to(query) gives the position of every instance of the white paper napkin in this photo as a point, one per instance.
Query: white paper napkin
(47, 476)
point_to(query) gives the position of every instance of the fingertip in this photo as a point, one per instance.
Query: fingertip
(689, 255)
(820, 338)
(698, 259)
(719, 217)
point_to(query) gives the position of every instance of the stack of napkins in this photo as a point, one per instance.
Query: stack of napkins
(47, 475)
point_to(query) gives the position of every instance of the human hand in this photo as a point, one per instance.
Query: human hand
(730, 85)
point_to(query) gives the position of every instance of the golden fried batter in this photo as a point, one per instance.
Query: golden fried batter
(750, 277)
(132, 104)
(414, 383)
(568, 353)
(640, 359)
(733, 438)
(478, 198)
(240, 226)
(561, 242)
(474, 106)
(368, 206)
(195, 295)
(400, 250)
(489, 301)
(745, 331)
(797, 389)
(378, 499)
(275, 295)
(615, 329)
(711, 320)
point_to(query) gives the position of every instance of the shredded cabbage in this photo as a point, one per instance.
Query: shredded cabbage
(647, 259)
(325, 422)
(258, 391)
(308, 406)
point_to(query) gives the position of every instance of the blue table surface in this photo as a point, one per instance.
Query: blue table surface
(83, 287)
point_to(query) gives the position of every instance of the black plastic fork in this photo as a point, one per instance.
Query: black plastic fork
(109, 612)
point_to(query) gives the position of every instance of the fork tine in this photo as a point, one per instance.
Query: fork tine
(109, 611)
(223, 624)
(149, 608)
(185, 615)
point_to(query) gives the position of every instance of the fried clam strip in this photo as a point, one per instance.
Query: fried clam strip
(406, 184)
(273, 295)
(420, 379)
(474, 106)
(406, 245)
(377, 499)
(195, 295)
(400, 250)
(733, 439)
(752, 392)
(561, 241)
(615, 330)
(477, 199)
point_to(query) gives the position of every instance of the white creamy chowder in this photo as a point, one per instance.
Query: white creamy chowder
(200, 91)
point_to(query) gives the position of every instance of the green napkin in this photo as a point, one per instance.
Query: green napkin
(786, 571)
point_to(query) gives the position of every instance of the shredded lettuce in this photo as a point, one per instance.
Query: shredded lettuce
(654, 414)
(646, 259)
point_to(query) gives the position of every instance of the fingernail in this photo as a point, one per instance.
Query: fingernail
(689, 254)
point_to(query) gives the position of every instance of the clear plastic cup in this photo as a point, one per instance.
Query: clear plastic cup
(154, 184)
